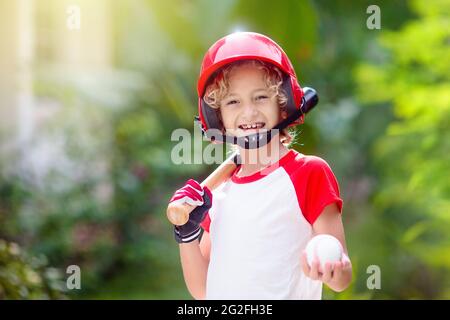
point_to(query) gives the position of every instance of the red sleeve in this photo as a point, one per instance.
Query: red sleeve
(206, 222)
(316, 186)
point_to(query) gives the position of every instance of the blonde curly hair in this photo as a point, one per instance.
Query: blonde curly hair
(217, 90)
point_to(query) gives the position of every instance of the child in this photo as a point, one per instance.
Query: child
(257, 223)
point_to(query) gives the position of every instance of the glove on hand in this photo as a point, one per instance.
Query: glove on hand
(195, 195)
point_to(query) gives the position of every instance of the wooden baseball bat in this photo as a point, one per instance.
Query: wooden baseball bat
(178, 214)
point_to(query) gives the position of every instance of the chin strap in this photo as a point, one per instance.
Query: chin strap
(256, 140)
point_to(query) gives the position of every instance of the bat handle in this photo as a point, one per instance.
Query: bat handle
(178, 214)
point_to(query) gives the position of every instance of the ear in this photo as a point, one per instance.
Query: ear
(283, 114)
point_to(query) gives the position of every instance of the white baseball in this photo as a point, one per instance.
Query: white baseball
(324, 248)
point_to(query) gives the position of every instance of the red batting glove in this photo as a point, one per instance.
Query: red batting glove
(195, 195)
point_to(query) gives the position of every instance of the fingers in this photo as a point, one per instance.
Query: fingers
(330, 272)
(327, 274)
(304, 263)
(347, 265)
(195, 185)
(191, 193)
(190, 197)
(188, 200)
(314, 272)
(310, 271)
(341, 266)
(337, 270)
(346, 261)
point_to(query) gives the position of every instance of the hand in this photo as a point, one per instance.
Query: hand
(336, 275)
(195, 195)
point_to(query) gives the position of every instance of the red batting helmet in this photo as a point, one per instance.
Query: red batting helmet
(245, 46)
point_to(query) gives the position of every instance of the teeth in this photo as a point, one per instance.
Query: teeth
(252, 126)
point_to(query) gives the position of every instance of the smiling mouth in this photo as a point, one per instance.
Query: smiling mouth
(252, 126)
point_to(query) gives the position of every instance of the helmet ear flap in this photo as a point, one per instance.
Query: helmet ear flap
(294, 95)
(210, 116)
(287, 87)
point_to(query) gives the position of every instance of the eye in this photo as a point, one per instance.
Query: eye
(261, 97)
(231, 102)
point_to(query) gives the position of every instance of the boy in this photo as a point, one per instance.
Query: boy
(257, 227)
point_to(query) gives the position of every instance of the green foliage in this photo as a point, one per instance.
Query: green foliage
(27, 277)
(412, 157)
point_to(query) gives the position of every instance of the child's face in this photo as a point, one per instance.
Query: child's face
(249, 103)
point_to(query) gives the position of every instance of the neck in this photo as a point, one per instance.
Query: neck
(253, 160)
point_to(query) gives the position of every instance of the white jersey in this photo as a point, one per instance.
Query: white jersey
(260, 224)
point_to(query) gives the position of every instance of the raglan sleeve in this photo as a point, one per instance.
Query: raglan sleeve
(316, 187)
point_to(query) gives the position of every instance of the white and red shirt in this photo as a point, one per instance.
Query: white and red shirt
(259, 226)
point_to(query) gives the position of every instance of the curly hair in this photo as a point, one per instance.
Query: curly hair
(273, 78)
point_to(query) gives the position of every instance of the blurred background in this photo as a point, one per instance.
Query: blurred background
(90, 92)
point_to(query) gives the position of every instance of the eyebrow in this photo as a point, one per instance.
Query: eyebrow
(253, 91)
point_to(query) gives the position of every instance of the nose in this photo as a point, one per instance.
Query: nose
(249, 110)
